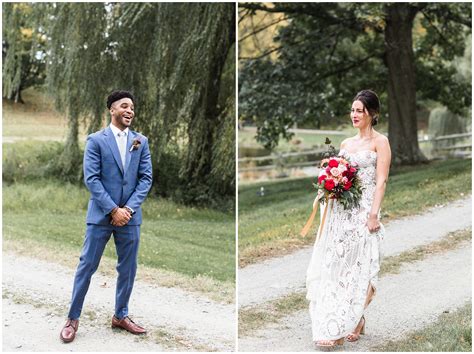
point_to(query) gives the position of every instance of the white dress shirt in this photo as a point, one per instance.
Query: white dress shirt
(121, 139)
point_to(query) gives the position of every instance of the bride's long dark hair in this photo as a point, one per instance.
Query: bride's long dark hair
(371, 102)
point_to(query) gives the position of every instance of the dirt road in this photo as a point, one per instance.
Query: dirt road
(37, 293)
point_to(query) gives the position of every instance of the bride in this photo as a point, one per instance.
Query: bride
(342, 275)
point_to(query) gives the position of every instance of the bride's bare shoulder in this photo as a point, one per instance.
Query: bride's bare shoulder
(347, 141)
(382, 146)
(381, 139)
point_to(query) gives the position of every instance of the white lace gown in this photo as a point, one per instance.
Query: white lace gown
(345, 260)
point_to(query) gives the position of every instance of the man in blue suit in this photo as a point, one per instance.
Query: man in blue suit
(118, 174)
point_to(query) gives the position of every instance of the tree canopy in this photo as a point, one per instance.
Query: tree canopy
(327, 52)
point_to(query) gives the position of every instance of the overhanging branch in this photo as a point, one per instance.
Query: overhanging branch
(307, 10)
(258, 30)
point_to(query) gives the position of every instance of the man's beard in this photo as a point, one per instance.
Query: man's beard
(123, 121)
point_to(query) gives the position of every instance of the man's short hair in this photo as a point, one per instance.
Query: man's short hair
(118, 95)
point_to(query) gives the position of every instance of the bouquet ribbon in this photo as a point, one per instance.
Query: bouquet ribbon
(306, 228)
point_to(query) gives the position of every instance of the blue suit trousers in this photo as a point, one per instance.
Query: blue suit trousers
(126, 240)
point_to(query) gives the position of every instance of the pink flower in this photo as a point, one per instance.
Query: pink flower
(335, 171)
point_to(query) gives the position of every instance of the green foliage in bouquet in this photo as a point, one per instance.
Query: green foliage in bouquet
(352, 197)
(331, 149)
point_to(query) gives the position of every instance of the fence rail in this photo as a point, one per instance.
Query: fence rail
(446, 137)
(281, 157)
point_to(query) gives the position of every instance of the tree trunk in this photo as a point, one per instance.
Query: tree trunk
(15, 96)
(18, 98)
(402, 131)
(71, 158)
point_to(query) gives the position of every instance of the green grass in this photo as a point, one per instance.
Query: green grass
(270, 225)
(253, 318)
(35, 119)
(299, 141)
(191, 241)
(451, 333)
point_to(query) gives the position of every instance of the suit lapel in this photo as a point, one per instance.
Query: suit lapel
(110, 138)
(128, 154)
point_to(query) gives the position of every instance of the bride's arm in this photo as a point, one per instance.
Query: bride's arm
(381, 176)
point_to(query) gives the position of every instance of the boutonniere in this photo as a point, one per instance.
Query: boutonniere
(135, 144)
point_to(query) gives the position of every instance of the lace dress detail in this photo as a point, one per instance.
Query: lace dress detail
(345, 260)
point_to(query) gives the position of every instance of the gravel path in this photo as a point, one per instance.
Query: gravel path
(405, 302)
(32, 329)
(195, 322)
(277, 277)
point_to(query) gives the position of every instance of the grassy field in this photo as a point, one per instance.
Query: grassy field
(182, 239)
(270, 225)
(300, 141)
(35, 119)
(451, 333)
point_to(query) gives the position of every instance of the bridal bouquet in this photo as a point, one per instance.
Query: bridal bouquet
(338, 180)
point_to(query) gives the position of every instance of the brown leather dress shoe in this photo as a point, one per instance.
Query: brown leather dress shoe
(127, 324)
(68, 333)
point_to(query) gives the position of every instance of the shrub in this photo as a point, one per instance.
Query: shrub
(31, 160)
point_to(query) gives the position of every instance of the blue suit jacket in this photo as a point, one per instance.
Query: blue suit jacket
(110, 184)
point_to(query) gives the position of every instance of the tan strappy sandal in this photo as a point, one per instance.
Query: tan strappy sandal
(360, 329)
(329, 343)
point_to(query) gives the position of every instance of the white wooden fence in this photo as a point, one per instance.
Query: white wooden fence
(463, 149)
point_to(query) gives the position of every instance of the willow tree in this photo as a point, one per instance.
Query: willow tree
(173, 57)
(75, 79)
(176, 58)
(22, 64)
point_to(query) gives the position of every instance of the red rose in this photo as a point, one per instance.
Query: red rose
(348, 185)
(351, 172)
(329, 185)
(321, 178)
(328, 169)
(333, 163)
